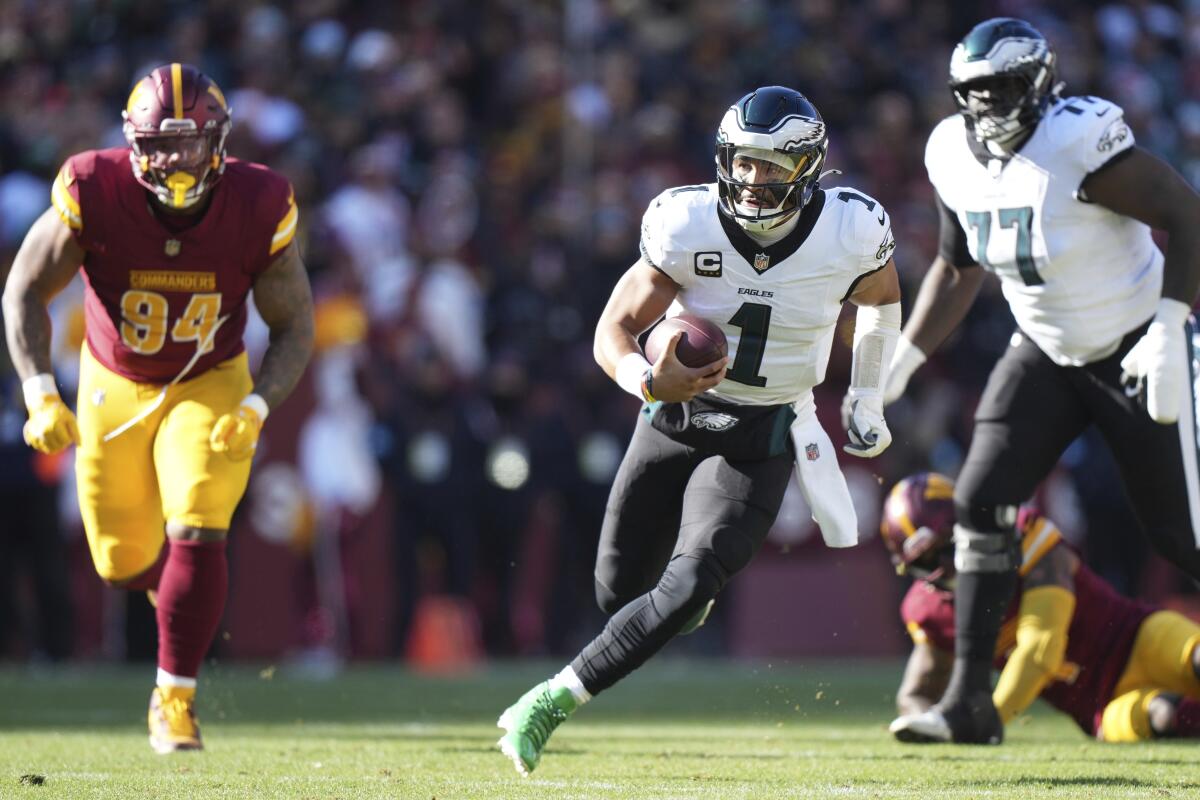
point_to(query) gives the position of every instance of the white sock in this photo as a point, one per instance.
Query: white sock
(567, 679)
(167, 679)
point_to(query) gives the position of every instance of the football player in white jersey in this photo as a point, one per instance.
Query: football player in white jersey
(1052, 195)
(770, 257)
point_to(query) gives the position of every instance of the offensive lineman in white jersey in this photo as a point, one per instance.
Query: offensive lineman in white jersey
(1052, 195)
(770, 257)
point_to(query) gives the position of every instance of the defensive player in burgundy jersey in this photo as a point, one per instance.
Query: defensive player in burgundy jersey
(1052, 195)
(1123, 670)
(769, 256)
(172, 235)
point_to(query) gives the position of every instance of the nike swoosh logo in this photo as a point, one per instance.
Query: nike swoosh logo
(880, 217)
(1105, 111)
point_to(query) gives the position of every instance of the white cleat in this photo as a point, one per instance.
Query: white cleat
(928, 726)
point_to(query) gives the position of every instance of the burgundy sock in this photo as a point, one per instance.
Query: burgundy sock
(191, 597)
(153, 574)
(1187, 718)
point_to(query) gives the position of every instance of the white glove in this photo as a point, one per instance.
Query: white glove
(1159, 361)
(905, 361)
(866, 427)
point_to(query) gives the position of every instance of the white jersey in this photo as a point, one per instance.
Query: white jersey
(1077, 276)
(777, 304)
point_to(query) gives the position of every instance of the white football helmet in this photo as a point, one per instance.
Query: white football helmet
(771, 146)
(1002, 78)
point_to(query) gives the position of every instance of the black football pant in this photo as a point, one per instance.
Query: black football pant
(679, 524)
(1031, 410)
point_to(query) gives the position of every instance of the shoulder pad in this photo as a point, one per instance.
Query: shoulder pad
(1038, 536)
(866, 228)
(947, 134)
(666, 219)
(64, 192)
(1087, 131)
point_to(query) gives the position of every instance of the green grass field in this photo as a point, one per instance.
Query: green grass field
(678, 729)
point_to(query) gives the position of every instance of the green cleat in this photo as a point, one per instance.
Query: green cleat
(529, 722)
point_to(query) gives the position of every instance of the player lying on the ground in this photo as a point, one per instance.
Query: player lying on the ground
(1123, 670)
(770, 257)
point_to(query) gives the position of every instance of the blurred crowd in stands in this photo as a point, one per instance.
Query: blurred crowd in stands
(471, 178)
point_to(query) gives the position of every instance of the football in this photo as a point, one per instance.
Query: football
(703, 341)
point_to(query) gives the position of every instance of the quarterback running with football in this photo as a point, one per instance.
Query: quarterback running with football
(770, 257)
(172, 235)
(1051, 194)
(1123, 670)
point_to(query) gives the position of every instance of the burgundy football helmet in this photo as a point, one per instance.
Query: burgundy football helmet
(918, 527)
(176, 121)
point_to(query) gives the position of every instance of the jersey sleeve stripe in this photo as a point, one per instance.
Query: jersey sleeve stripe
(1037, 543)
(286, 230)
(65, 205)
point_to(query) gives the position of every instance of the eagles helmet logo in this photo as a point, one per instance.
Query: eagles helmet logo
(714, 421)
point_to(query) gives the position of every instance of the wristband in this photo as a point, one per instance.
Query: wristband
(631, 372)
(648, 386)
(256, 404)
(1172, 313)
(37, 389)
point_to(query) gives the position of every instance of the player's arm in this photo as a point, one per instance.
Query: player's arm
(926, 676)
(48, 259)
(283, 298)
(639, 299)
(876, 332)
(1142, 186)
(947, 292)
(1137, 184)
(1047, 605)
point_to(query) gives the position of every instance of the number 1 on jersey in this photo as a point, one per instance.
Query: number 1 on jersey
(755, 320)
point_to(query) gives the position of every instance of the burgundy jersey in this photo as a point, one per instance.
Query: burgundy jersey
(1099, 639)
(157, 298)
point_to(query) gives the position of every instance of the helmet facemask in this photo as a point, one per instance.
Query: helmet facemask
(926, 558)
(1001, 108)
(178, 167)
(763, 188)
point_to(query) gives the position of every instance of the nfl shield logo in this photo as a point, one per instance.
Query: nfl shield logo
(812, 452)
(172, 247)
(762, 261)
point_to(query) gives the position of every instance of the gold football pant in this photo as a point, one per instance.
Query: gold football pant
(161, 469)
(1161, 661)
